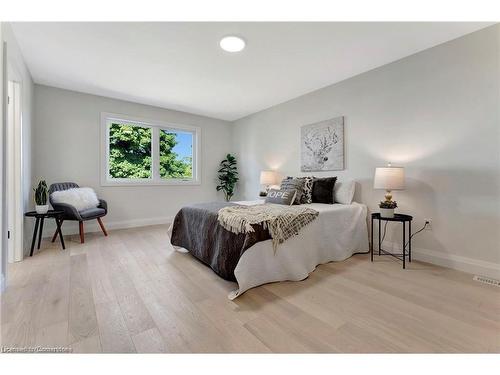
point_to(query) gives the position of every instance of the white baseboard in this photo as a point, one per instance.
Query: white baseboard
(92, 225)
(133, 223)
(457, 262)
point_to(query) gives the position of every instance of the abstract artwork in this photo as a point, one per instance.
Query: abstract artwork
(322, 146)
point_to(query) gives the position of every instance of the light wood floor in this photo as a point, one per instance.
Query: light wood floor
(130, 292)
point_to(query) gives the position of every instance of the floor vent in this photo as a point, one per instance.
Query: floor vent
(486, 280)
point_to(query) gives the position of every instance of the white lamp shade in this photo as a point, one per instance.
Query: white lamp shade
(268, 177)
(389, 178)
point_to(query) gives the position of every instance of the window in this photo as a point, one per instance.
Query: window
(138, 152)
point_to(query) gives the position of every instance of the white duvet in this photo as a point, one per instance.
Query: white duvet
(338, 232)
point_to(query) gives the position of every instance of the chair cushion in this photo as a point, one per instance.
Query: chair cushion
(92, 213)
(58, 186)
(80, 198)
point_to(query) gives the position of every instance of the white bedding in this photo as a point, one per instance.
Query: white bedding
(338, 232)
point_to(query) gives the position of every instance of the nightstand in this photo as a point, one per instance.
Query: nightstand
(399, 218)
(40, 218)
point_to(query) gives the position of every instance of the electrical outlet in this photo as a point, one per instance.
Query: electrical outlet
(429, 224)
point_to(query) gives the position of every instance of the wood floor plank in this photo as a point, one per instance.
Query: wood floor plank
(54, 308)
(150, 341)
(166, 323)
(89, 345)
(462, 332)
(82, 312)
(113, 333)
(55, 335)
(421, 320)
(21, 317)
(102, 290)
(426, 294)
(186, 319)
(135, 314)
(238, 338)
(278, 340)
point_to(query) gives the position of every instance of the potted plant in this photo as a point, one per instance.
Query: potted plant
(387, 209)
(228, 176)
(41, 195)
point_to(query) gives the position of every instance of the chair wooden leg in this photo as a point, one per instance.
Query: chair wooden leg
(54, 237)
(82, 236)
(102, 226)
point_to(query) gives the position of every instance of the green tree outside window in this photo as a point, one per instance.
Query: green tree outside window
(171, 164)
(130, 153)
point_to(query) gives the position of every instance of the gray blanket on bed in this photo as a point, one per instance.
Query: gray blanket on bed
(196, 229)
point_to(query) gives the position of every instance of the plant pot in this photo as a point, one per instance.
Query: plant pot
(42, 209)
(387, 213)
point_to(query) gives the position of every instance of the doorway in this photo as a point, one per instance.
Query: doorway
(14, 193)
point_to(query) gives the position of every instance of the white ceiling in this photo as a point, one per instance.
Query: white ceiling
(180, 65)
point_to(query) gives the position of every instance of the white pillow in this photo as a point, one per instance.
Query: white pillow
(80, 198)
(343, 192)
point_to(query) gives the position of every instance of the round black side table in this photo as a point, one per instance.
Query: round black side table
(402, 219)
(51, 214)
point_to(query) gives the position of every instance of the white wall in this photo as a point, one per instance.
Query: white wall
(66, 148)
(18, 71)
(437, 114)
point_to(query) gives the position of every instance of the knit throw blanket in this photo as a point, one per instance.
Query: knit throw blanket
(283, 222)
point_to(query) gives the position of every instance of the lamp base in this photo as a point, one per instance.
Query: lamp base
(388, 196)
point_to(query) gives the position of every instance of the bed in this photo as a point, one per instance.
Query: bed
(338, 232)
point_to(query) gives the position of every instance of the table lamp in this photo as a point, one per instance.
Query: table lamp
(267, 178)
(389, 178)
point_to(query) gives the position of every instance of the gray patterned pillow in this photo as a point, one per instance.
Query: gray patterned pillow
(291, 183)
(285, 197)
(307, 187)
(307, 191)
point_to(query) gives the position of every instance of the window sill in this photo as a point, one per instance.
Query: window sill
(151, 183)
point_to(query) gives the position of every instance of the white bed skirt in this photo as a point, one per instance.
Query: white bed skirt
(338, 232)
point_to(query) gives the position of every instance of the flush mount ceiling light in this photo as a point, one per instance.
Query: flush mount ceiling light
(232, 43)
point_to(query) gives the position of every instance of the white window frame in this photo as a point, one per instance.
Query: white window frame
(156, 126)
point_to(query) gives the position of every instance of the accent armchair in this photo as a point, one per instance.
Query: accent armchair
(71, 213)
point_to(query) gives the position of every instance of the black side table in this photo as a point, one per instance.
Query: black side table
(402, 219)
(56, 215)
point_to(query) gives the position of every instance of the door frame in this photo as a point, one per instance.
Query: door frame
(3, 126)
(14, 168)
